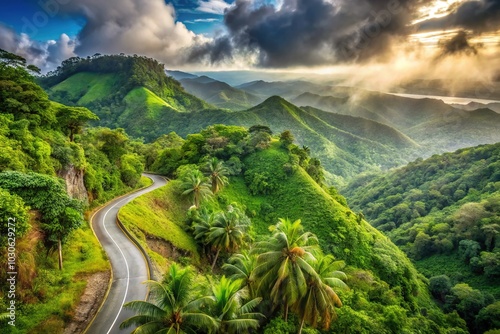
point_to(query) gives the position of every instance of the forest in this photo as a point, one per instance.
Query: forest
(443, 212)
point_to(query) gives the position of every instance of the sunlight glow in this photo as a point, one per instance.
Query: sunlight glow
(436, 9)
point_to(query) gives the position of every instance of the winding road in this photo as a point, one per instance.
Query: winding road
(129, 266)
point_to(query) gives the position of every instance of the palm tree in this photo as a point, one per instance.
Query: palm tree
(196, 185)
(283, 263)
(202, 222)
(320, 299)
(175, 308)
(228, 231)
(233, 314)
(240, 267)
(216, 172)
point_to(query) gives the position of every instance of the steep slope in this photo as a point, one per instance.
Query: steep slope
(219, 93)
(366, 128)
(444, 212)
(120, 90)
(342, 152)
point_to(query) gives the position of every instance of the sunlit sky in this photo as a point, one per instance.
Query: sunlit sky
(317, 36)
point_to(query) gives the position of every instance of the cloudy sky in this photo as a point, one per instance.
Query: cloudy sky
(427, 38)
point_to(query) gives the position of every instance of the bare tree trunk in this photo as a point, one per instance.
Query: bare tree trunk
(301, 326)
(215, 260)
(286, 312)
(59, 249)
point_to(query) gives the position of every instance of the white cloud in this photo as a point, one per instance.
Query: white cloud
(46, 55)
(212, 6)
(146, 27)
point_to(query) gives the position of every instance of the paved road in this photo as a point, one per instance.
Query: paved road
(128, 263)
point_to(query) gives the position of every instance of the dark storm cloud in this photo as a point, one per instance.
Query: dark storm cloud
(313, 32)
(479, 16)
(458, 44)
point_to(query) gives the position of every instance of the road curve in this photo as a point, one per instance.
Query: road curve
(129, 266)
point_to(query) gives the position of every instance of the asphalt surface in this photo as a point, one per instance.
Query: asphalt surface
(128, 263)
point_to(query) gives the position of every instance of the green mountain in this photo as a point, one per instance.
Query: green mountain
(219, 93)
(343, 148)
(121, 90)
(369, 129)
(444, 213)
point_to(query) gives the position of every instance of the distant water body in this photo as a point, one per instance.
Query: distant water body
(447, 99)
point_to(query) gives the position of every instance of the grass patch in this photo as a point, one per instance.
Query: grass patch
(159, 214)
(144, 182)
(85, 87)
(144, 97)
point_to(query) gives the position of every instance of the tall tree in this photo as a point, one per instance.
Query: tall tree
(241, 266)
(174, 307)
(216, 172)
(228, 231)
(233, 313)
(284, 263)
(320, 300)
(72, 119)
(196, 185)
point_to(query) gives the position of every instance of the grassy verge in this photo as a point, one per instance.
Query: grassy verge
(158, 217)
(54, 295)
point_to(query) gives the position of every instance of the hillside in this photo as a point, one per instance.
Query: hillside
(267, 181)
(219, 93)
(343, 153)
(375, 131)
(443, 212)
(120, 89)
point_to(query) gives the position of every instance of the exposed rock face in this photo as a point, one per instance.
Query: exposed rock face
(74, 183)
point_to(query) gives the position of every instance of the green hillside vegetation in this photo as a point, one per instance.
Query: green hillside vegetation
(117, 88)
(56, 250)
(219, 93)
(444, 213)
(261, 180)
(375, 131)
